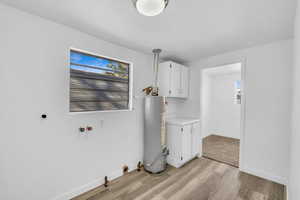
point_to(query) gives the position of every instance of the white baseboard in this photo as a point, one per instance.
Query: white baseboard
(93, 184)
(265, 175)
(118, 173)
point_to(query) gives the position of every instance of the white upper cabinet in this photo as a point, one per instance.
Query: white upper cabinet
(184, 92)
(173, 80)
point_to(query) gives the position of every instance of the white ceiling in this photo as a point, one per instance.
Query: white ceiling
(223, 70)
(186, 31)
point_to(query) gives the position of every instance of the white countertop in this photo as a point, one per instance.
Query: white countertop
(182, 120)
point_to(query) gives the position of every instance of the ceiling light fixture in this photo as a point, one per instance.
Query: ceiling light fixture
(150, 7)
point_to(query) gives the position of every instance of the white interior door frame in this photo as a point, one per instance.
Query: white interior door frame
(243, 101)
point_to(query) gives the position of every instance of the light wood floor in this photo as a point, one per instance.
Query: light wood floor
(201, 179)
(222, 149)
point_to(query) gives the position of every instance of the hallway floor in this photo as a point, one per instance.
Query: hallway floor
(222, 149)
(200, 179)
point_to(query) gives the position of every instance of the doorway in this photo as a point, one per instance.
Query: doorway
(221, 113)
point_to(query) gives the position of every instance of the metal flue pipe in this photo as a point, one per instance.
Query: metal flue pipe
(156, 53)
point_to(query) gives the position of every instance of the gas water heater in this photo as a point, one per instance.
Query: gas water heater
(155, 149)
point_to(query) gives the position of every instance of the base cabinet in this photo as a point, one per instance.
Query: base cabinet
(196, 140)
(184, 143)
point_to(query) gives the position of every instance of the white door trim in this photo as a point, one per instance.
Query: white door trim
(243, 102)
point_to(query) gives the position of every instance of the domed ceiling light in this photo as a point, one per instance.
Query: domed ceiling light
(150, 7)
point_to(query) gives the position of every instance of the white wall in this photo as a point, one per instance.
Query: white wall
(268, 104)
(206, 105)
(294, 184)
(44, 159)
(223, 114)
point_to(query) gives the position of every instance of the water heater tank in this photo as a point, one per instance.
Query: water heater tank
(155, 151)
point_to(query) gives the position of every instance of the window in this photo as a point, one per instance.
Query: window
(237, 95)
(98, 83)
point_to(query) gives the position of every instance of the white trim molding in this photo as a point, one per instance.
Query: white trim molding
(93, 184)
(265, 175)
(243, 62)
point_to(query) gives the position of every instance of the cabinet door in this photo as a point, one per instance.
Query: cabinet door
(196, 140)
(164, 79)
(174, 144)
(186, 143)
(184, 93)
(175, 84)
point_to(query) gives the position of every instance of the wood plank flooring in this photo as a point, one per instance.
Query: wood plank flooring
(200, 179)
(222, 149)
